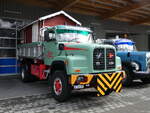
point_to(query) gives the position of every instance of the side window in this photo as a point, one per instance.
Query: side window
(51, 34)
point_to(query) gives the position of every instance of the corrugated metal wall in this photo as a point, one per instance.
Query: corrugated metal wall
(8, 42)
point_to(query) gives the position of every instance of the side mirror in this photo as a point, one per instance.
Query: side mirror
(61, 46)
(46, 35)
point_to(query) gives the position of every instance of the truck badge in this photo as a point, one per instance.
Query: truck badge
(98, 56)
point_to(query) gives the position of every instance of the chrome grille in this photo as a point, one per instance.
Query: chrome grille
(102, 61)
(110, 59)
(99, 59)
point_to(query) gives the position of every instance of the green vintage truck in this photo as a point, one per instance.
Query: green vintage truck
(69, 59)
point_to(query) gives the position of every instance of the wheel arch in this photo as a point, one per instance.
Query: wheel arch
(58, 65)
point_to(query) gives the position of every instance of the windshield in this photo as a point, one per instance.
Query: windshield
(67, 35)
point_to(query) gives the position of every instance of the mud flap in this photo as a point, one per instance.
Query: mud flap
(108, 82)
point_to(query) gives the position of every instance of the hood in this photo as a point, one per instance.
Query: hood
(84, 46)
(137, 53)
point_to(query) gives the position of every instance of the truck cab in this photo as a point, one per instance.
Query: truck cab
(135, 63)
(69, 59)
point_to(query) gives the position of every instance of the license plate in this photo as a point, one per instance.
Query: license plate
(78, 86)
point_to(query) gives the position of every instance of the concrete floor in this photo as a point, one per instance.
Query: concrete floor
(12, 86)
(17, 97)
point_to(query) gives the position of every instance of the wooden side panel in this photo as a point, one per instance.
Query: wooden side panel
(59, 20)
(28, 34)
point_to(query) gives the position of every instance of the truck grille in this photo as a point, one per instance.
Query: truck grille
(99, 59)
(110, 58)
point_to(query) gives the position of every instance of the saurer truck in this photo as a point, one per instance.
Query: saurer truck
(69, 59)
(135, 63)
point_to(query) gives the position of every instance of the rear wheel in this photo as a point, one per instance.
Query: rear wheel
(128, 78)
(60, 87)
(26, 75)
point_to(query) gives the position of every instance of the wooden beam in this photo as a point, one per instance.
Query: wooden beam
(68, 4)
(128, 1)
(109, 2)
(121, 19)
(38, 3)
(82, 11)
(147, 24)
(136, 13)
(126, 9)
(96, 5)
(129, 17)
(84, 7)
(144, 11)
(91, 6)
(141, 21)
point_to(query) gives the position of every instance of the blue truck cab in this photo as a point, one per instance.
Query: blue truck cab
(135, 63)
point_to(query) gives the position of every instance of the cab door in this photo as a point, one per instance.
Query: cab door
(50, 48)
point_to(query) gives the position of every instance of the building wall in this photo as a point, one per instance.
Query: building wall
(29, 13)
(58, 20)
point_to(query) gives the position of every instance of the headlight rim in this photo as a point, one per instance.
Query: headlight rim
(135, 65)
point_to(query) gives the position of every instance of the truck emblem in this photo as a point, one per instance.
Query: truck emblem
(98, 56)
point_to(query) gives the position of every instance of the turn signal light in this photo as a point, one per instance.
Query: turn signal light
(78, 70)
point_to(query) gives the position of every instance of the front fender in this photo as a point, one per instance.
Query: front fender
(77, 64)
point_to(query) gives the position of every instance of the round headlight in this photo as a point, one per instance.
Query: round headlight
(135, 66)
(148, 54)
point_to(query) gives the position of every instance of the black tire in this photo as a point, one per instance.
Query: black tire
(65, 90)
(26, 75)
(145, 80)
(127, 81)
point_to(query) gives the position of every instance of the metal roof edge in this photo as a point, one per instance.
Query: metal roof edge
(53, 15)
(59, 13)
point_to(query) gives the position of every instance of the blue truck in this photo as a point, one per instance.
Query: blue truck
(135, 63)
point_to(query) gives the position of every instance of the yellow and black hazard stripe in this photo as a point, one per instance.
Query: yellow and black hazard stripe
(109, 81)
(75, 77)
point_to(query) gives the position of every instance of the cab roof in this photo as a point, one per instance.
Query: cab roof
(70, 28)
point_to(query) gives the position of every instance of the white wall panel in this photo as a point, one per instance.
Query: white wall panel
(35, 32)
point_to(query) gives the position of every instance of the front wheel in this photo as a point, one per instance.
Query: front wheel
(60, 87)
(128, 78)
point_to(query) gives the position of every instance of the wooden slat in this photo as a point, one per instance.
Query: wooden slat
(69, 4)
(128, 1)
(38, 3)
(97, 10)
(136, 13)
(141, 20)
(121, 19)
(110, 2)
(126, 9)
(94, 4)
(83, 11)
(148, 24)
(129, 17)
